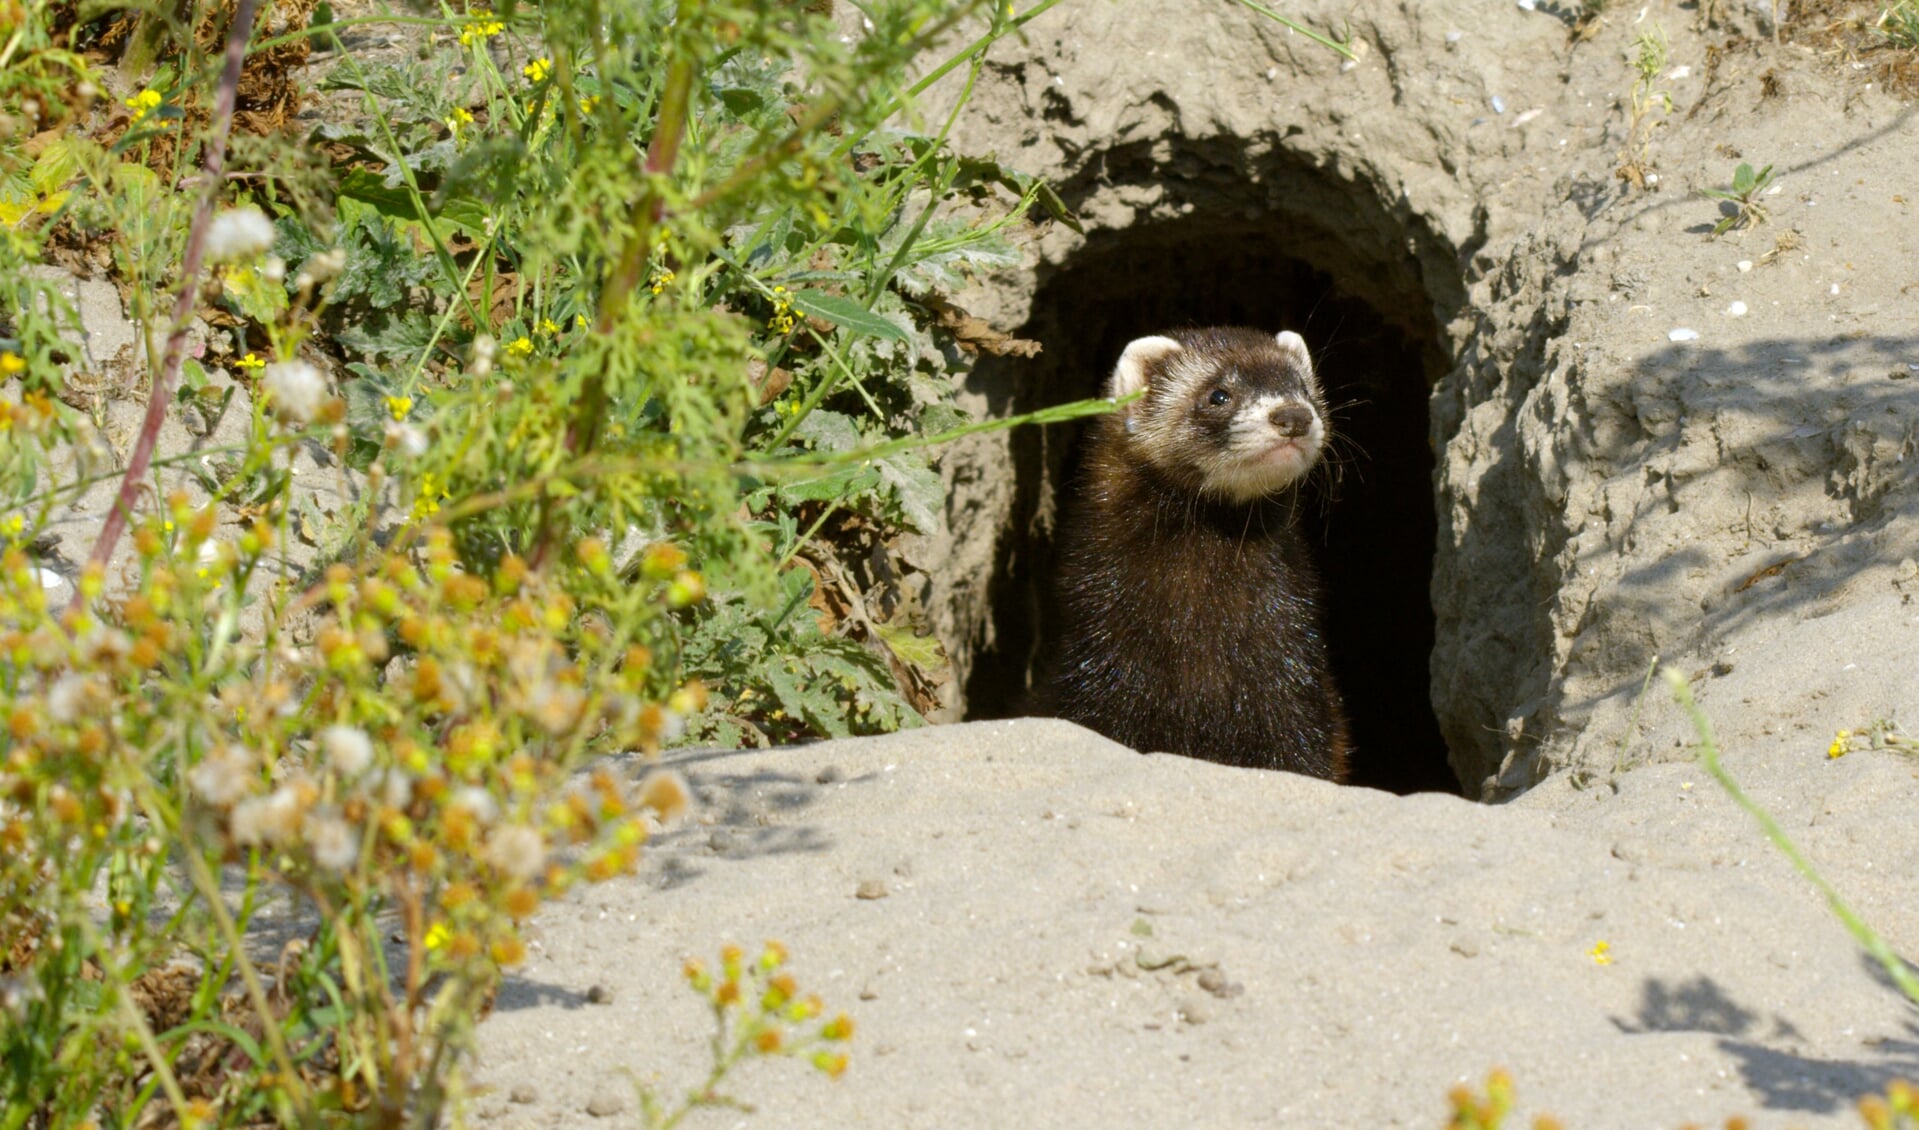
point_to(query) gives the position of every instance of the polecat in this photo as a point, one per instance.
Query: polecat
(1189, 597)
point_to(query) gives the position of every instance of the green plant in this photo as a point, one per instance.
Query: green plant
(758, 1012)
(1898, 1109)
(1743, 194)
(1649, 59)
(620, 327)
(1344, 48)
(1899, 24)
(1869, 940)
(1880, 733)
(1588, 17)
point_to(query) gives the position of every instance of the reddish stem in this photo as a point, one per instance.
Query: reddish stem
(662, 153)
(161, 391)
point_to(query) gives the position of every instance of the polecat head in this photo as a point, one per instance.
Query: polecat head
(1232, 414)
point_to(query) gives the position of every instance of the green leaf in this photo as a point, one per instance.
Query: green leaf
(388, 333)
(193, 376)
(828, 431)
(917, 489)
(845, 313)
(58, 163)
(923, 652)
(836, 486)
(467, 216)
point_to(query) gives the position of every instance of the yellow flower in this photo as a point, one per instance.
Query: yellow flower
(782, 321)
(436, 935)
(660, 280)
(142, 104)
(580, 321)
(1841, 744)
(250, 361)
(428, 503)
(589, 104)
(538, 69)
(1601, 953)
(458, 120)
(521, 346)
(549, 327)
(480, 26)
(12, 365)
(399, 406)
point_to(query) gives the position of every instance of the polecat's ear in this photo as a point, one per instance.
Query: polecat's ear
(1294, 347)
(1130, 374)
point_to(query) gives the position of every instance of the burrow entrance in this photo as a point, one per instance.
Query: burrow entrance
(1371, 507)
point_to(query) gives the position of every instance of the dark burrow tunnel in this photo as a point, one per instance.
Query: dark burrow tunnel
(1369, 508)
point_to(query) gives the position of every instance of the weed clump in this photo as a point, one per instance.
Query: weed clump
(571, 395)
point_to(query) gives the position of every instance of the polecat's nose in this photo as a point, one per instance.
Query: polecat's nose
(1292, 419)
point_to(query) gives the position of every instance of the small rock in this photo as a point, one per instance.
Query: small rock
(829, 775)
(524, 1094)
(606, 1102)
(871, 889)
(1682, 334)
(1736, 310)
(1466, 947)
(599, 994)
(1215, 982)
(1744, 265)
(720, 841)
(1193, 1010)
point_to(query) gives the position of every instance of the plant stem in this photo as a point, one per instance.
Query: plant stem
(992, 36)
(1902, 974)
(202, 876)
(662, 153)
(161, 390)
(1330, 44)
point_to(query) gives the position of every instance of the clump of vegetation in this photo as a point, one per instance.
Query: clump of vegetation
(1743, 194)
(570, 399)
(1897, 1109)
(1648, 107)
(1588, 16)
(1899, 24)
(758, 1012)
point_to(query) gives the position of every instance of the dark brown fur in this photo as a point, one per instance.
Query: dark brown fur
(1192, 623)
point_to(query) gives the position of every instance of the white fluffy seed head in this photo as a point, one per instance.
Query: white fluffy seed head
(239, 234)
(223, 776)
(269, 819)
(319, 269)
(331, 840)
(479, 358)
(478, 802)
(517, 850)
(347, 748)
(70, 697)
(298, 389)
(406, 439)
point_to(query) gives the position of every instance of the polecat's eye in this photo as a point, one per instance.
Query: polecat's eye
(1219, 396)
